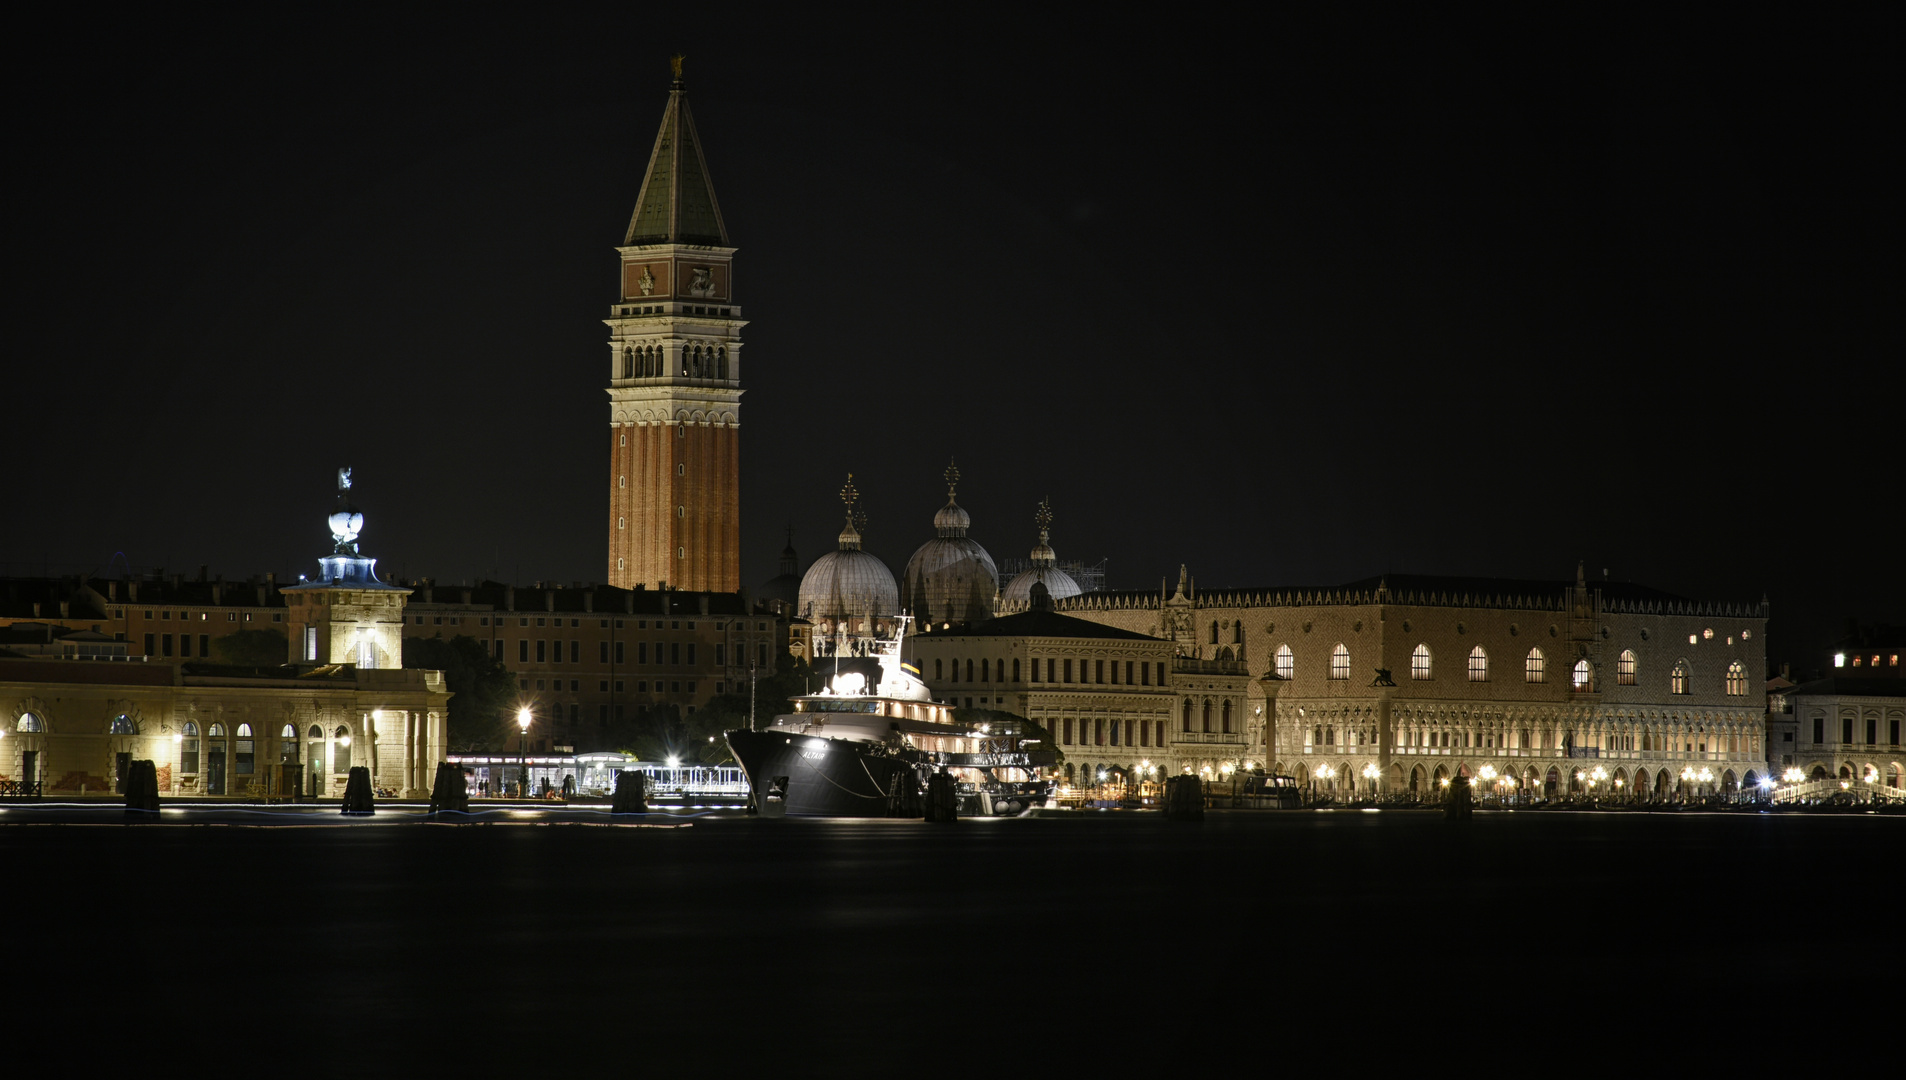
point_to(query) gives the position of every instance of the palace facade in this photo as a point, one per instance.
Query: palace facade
(1398, 683)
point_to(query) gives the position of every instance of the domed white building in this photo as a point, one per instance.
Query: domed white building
(951, 578)
(849, 592)
(1045, 569)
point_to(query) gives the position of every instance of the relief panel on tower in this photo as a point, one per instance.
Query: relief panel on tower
(702, 280)
(640, 279)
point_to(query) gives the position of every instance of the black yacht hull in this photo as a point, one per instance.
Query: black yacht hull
(810, 776)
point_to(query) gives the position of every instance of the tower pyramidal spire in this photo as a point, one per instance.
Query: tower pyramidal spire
(677, 201)
(675, 376)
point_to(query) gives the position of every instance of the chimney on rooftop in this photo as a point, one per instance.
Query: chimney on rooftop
(589, 600)
(112, 591)
(704, 603)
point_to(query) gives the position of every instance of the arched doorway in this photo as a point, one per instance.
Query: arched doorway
(1552, 785)
(1416, 782)
(314, 761)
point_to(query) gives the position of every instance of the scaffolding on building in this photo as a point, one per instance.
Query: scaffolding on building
(1091, 578)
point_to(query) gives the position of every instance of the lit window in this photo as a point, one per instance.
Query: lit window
(1478, 665)
(1694, 639)
(1678, 679)
(1286, 663)
(1340, 662)
(1736, 679)
(121, 725)
(1535, 667)
(1625, 668)
(1420, 662)
(1584, 676)
(1839, 659)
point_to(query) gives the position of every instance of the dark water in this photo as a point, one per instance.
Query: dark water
(855, 946)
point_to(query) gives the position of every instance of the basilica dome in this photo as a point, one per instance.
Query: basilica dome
(1045, 569)
(951, 578)
(849, 585)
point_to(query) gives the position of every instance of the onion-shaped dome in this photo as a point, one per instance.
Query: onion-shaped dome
(950, 578)
(1045, 570)
(849, 584)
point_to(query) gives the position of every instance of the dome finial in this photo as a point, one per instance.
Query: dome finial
(850, 536)
(952, 475)
(346, 522)
(1043, 554)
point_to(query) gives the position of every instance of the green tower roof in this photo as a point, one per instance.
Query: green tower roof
(677, 203)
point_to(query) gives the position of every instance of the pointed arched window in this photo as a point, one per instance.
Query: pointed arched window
(1584, 676)
(1286, 662)
(1678, 678)
(1478, 665)
(1535, 667)
(1226, 716)
(1187, 714)
(1420, 662)
(1340, 662)
(1625, 668)
(1737, 683)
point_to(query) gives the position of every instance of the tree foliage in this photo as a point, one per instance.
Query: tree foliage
(252, 648)
(485, 691)
(660, 732)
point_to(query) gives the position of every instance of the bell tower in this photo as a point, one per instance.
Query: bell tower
(675, 377)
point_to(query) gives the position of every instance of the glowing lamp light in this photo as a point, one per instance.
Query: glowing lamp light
(344, 740)
(673, 761)
(523, 719)
(177, 737)
(1839, 659)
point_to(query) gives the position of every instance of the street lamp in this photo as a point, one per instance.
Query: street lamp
(1327, 773)
(1370, 773)
(1688, 776)
(1487, 774)
(522, 721)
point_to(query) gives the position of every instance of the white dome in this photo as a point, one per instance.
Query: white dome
(1057, 582)
(950, 579)
(848, 583)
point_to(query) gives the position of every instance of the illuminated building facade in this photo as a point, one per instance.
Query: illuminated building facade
(73, 727)
(1541, 682)
(675, 378)
(1846, 730)
(1109, 697)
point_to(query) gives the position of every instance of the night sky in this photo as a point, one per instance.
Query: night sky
(1290, 303)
